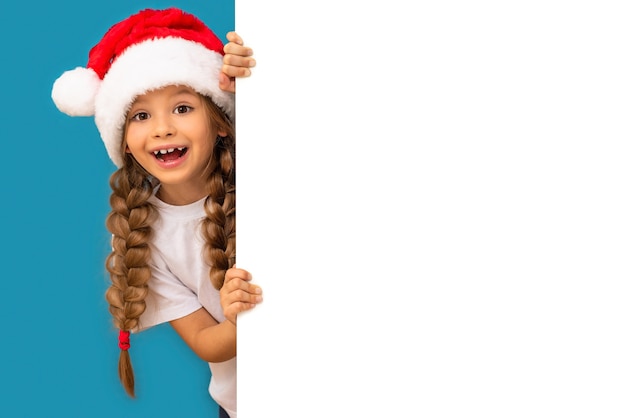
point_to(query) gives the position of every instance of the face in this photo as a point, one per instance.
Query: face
(169, 133)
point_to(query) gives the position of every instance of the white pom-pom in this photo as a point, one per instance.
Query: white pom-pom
(75, 91)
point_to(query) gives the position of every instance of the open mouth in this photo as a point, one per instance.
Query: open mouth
(170, 154)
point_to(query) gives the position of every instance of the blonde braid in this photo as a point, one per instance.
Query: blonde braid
(130, 223)
(218, 227)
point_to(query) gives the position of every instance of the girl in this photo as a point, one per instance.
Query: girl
(162, 95)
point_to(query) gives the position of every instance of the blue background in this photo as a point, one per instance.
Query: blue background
(59, 346)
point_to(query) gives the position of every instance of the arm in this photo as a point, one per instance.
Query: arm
(237, 62)
(213, 341)
(210, 340)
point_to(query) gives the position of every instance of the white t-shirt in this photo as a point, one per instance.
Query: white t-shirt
(180, 285)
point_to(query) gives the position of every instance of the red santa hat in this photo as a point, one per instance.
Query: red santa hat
(147, 51)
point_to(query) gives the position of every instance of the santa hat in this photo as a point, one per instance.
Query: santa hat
(147, 51)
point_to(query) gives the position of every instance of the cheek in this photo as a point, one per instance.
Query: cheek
(133, 140)
(130, 147)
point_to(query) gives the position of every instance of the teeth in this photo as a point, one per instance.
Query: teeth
(166, 151)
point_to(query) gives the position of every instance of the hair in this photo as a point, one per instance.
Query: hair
(131, 219)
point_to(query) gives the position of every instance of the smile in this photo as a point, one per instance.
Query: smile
(170, 154)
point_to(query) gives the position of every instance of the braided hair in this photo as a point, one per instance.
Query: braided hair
(130, 222)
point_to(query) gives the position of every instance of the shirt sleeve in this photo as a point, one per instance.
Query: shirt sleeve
(168, 298)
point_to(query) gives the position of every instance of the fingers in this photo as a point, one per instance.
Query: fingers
(232, 36)
(237, 65)
(234, 71)
(234, 272)
(240, 290)
(232, 48)
(237, 57)
(236, 46)
(239, 301)
(238, 294)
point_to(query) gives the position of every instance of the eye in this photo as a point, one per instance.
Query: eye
(183, 109)
(140, 116)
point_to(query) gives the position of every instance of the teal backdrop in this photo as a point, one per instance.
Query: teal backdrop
(59, 347)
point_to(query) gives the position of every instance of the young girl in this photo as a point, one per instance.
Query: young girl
(162, 95)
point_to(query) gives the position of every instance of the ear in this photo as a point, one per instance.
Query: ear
(127, 150)
(222, 133)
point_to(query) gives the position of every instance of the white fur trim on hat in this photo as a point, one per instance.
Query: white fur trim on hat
(75, 91)
(150, 65)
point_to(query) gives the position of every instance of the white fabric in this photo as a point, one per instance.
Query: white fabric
(180, 285)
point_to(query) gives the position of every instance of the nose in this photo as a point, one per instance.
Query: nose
(163, 127)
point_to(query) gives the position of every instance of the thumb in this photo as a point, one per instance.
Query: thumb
(223, 80)
(225, 83)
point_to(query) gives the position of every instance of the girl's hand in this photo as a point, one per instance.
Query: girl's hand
(238, 294)
(237, 62)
